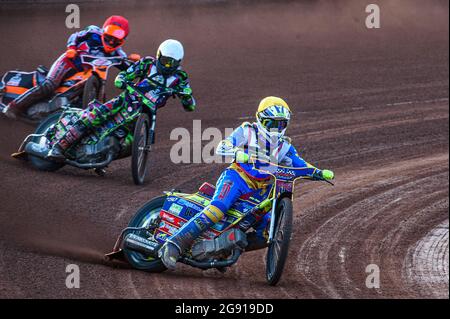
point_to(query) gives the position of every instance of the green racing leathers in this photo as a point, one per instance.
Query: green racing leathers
(150, 83)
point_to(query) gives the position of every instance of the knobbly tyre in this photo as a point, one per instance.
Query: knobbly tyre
(110, 141)
(222, 245)
(80, 88)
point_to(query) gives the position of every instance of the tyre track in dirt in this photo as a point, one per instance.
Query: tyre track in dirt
(426, 264)
(371, 228)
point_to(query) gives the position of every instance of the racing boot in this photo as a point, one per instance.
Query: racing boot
(9, 112)
(72, 135)
(33, 95)
(95, 114)
(3, 107)
(170, 252)
(255, 242)
(258, 239)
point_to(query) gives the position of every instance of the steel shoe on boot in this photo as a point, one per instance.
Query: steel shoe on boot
(2, 108)
(10, 113)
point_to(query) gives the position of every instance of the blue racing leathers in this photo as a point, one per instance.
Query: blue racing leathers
(237, 180)
(241, 178)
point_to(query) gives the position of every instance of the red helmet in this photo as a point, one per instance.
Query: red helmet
(115, 31)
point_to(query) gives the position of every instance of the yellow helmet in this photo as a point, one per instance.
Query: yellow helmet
(273, 116)
(271, 101)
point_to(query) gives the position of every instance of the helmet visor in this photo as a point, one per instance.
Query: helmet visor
(168, 62)
(274, 124)
(112, 41)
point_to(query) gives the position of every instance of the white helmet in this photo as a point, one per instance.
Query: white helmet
(169, 56)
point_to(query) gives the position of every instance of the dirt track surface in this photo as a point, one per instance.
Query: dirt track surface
(370, 104)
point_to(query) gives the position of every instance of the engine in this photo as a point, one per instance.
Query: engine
(221, 246)
(89, 153)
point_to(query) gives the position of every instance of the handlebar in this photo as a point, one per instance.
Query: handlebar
(166, 90)
(87, 55)
(321, 179)
(268, 166)
(103, 60)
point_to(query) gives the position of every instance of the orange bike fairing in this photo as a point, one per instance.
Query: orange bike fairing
(62, 89)
(79, 77)
(16, 90)
(102, 72)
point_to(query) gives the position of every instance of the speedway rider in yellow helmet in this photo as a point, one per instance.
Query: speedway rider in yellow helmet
(266, 140)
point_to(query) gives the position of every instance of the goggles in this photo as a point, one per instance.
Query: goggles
(169, 62)
(112, 41)
(274, 124)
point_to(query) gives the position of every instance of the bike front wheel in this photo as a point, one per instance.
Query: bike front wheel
(278, 249)
(140, 149)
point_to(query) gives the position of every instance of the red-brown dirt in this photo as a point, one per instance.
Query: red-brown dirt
(370, 104)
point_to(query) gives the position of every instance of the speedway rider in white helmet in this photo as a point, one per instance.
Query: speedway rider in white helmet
(266, 139)
(153, 74)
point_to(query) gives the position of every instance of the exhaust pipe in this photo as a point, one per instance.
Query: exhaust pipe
(141, 245)
(34, 149)
(103, 164)
(214, 263)
(37, 150)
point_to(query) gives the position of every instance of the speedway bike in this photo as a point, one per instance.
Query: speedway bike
(80, 89)
(222, 245)
(130, 132)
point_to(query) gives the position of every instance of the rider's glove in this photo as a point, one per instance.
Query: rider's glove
(119, 83)
(241, 157)
(189, 108)
(134, 57)
(327, 175)
(71, 53)
(185, 91)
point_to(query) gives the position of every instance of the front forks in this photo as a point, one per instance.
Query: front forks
(152, 129)
(102, 92)
(272, 221)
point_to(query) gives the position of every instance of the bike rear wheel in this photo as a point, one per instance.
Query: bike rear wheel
(147, 214)
(278, 250)
(140, 149)
(42, 128)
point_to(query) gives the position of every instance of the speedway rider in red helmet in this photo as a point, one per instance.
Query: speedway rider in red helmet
(93, 40)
